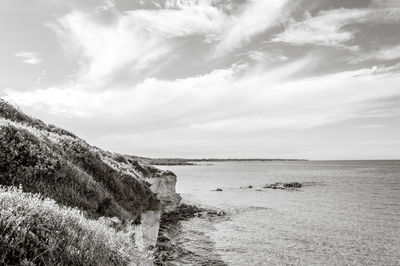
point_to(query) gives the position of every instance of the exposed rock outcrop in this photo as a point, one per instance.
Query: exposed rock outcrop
(164, 186)
(146, 233)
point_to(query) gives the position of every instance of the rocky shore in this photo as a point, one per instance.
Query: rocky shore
(167, 250)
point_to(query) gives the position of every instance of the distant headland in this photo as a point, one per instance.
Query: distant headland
(184, 161)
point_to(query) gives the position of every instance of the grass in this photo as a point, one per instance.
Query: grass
(72, 172)
(37, 231)
(11, 113)
(67, 189)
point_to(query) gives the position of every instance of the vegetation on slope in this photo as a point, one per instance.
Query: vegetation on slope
(46, 160)
(38, 231)
(9, 112)
(85, 182)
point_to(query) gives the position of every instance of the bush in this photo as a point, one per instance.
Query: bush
(23, 156)
(11, 113)
(37, 231)
(133, 195)
(71, 173)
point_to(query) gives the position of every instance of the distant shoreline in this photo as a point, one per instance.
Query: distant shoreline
(183, 161)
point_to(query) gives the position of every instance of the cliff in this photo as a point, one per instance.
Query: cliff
(56, 164)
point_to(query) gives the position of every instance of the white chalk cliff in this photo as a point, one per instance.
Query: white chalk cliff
(164, 187)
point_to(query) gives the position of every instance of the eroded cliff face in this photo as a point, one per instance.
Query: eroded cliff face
(147, 232)
(165, 188)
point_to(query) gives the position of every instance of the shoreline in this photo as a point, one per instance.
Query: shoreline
(167, 250)
(186, 161)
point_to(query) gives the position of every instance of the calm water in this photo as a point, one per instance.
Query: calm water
(348, 213)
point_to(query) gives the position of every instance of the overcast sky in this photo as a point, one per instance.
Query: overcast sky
(316, 79)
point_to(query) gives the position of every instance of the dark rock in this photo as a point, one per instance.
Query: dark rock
(163, 239)
(291, 185)
(216, 213)
(250, 187)
(218, 189)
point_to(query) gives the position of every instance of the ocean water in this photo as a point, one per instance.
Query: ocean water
(347, 213)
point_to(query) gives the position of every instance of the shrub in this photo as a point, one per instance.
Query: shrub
(23, 156)
(37, 231)
(72, 174)
(133, 195)
(11, 113)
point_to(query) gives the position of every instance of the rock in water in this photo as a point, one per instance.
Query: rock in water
(291, 185)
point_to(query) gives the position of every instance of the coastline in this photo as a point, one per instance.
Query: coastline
(165, 250)
(168, 249)
(186, 161)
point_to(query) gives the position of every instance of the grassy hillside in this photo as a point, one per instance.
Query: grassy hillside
(38, 231)
(51, 161)
(41, 158)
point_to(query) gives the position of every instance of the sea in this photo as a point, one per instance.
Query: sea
(346, 213)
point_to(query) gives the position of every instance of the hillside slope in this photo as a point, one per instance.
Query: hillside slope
(46, 160)
(54, 162)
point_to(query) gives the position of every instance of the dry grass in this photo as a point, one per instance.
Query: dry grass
(37, 231)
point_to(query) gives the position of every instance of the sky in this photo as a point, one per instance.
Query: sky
(311, 79)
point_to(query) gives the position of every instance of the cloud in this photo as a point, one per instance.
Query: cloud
(106, 49)
(382, 54)
(235, 99)
(324, 29)
(274, 56)
(134, 41)
(336, 27)
(30, 58)
(107, 5)
(182, 19)
(255, 17)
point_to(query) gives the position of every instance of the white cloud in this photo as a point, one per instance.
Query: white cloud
(183, 20)
(324, 29)
(228, 99)
(106, 49)
(134, 41)
(274, 56)
(256, 17)
(31, 58)
(327, 28)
